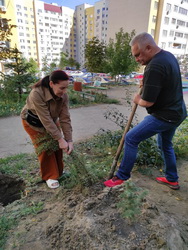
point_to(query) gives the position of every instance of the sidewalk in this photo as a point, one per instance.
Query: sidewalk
(86, 122)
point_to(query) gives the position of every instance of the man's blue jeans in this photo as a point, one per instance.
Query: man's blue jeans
(144, 130)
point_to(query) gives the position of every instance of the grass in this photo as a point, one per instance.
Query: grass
(22, 165)
(9, 107)
(12, 215)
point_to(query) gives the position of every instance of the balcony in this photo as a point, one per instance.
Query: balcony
(3, 9)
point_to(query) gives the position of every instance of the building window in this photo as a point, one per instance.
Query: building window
(171, 33)
(183, 11)
(154, 19)
(152, 32)
(169, 44)
(155, 5)
(164, 33)
(180, 23)
(175, 8)
(178, 34)
(163, 45)
(173, 21)
(166, 20)
(184, 46)
(168, 7)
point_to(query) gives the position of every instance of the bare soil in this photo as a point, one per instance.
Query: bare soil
(90, 219)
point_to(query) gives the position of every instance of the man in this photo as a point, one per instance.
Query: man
(163, 99)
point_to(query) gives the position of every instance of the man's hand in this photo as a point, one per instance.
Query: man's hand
(141, 83)
(137, 98)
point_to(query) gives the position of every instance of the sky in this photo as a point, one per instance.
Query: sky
(70, 3)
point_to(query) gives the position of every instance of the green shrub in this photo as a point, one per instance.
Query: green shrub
(131, 199)
(180, 140)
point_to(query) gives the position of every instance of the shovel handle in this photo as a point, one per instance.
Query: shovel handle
(127, 127)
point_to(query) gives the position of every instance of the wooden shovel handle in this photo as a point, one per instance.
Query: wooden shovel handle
(127, 127)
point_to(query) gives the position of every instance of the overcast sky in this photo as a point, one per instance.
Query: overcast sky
(70, 3)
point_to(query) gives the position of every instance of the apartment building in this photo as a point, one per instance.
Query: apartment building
(53, 26)
(90, 23)
(165, 20)
(20, 13)
(46, 30)
(43, 30)
(173, 26)
(101, 20)
(81, 31)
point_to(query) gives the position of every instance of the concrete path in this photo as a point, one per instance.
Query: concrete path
(86, 122)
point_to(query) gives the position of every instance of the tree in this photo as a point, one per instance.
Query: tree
(72, 63)
(20, 76)
(119, 59)
(47, 67)
(5, 33)
(34, 66)
(63, 60)
(95, 55)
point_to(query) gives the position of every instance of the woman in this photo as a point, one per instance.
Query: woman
(46, 110)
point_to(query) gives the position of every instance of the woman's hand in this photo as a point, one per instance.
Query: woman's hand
(70, 147)
(63, 145)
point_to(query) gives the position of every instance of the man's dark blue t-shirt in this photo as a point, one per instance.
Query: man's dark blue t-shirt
(162, 85)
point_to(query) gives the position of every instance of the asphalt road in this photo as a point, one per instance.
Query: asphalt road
(86, 122)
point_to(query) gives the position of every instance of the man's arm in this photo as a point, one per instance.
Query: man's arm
(138, 100)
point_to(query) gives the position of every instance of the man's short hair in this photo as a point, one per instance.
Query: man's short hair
(142, 39)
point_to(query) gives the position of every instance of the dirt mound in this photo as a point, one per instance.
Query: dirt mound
(90, 219)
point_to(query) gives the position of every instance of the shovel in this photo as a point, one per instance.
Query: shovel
(127, 127)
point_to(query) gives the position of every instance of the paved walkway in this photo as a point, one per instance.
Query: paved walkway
(86, 122)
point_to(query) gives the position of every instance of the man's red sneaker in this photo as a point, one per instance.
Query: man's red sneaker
(113, 182)
(163, 180)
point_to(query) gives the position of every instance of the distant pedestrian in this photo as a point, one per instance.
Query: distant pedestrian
(46, 110)
(163, 99)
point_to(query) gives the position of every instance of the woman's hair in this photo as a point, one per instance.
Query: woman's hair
(55, 77)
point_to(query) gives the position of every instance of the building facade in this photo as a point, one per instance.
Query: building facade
(45, 30)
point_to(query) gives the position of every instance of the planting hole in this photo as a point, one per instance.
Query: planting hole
(10, 189)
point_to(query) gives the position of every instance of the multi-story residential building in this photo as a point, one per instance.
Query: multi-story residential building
(172, 32)
(131, 15)
(20, 13)
(101, 20)
(46, 30)
(43, 30)
(81, 28)
(165, 20)
(90, 23)
(53, 25)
